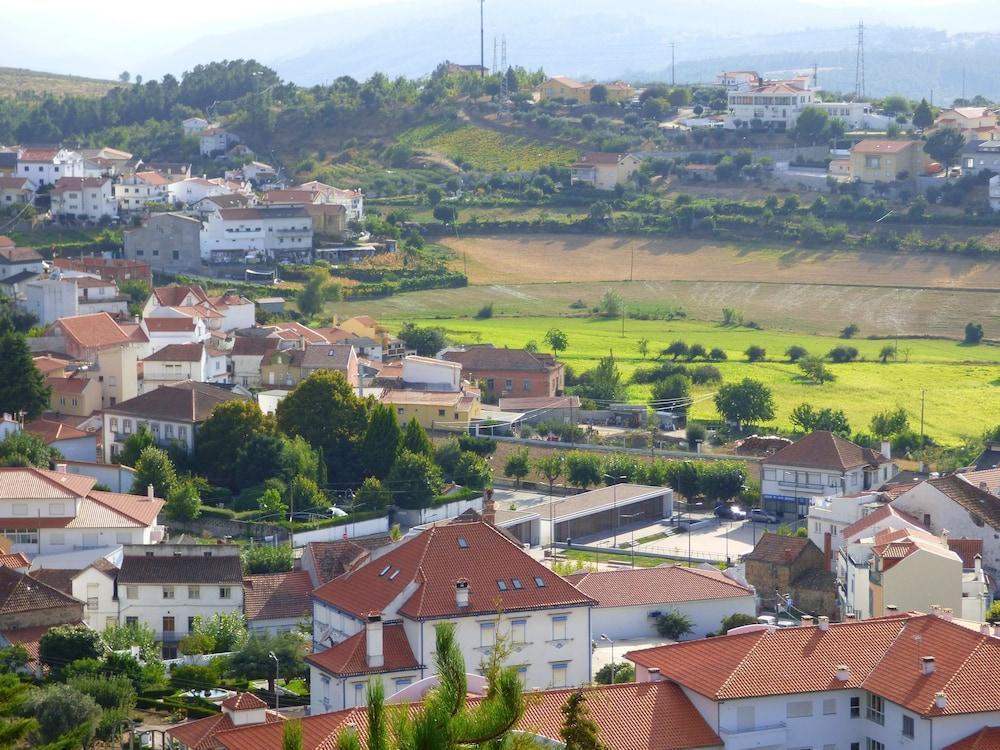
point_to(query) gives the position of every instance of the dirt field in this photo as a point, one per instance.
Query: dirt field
(535, 258)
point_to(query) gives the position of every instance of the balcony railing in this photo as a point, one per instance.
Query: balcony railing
(763, 735)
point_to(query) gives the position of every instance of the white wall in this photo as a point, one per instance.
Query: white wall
(150, 606)
(331, 694)
(351, 530)
(635, 622)
(96, 591)
(78, 449)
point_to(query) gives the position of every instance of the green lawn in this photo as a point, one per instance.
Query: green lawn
(962, 383)
(484, 149)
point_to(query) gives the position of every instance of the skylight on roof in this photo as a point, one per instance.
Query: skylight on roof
(384, 570)
(394, 574)
(517, 583)
(539, 582)
(462, 544)
(502, 585)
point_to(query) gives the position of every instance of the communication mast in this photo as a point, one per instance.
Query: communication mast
(859, 68)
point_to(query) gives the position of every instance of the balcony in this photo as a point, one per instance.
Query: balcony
(765, 735)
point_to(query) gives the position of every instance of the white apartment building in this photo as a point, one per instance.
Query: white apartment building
(45, 166)
(905, 682)
(177, 363)
(52, 512)
(89, 198)
(194, 125)
(775, 104)
(93, 584)
(166, 586)
(856, 115)
(215, 140)
(65, 293)
(137, 191)
(353, 201)
(378, 620)
(227, 312)
(193, 189)
(818, 465)
(266, 231)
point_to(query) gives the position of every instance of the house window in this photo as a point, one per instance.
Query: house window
(57, 539)
(522, 675)
(168, 624)
(508, 384)
(168, 592)
(131, 620)
(559, 670)
(798, 709)
(191, 624)
(131, 592)
(194, 592)
(487, 634)
(559, 628)
(908, 726)
(402, 682)
(527, 386)
(440, 412)
(168, 430)
(490, 384)
(855, 707)
(56, 509)
(518, 631)
(182, 433)
(871, 744)
(876, 708)
(224, 592)
(927, 520)
(127, 426)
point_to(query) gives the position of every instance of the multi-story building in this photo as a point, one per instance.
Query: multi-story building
(818, 465)
(377, 621)
(49, 512)
(277, 602)
(791, 571)
(167, 242)
(288, 367)
(65, 294)
(226, 312)
(881, 160)
(353, 201)
(604, 171)
(46, 165)
(266, 232)
(215, 140)
(177, 363)
(435, 410)
(166, 586)
(15, 191)
(247, 355)
(118, 270)
(510, 372)
(136, 192)
(172, 413)
(84, 198)
(972, 122)
(94, 585)
(754, 102)
(15, 261)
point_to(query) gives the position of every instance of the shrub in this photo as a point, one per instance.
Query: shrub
(485, 312)
(624, 672)
(674, 625)
(717, 355)
(706, 374)
(849, 331)
(841, 354)
(736, 620)
(755, 353)
(695, 433)
(973, 333)
(796, 352)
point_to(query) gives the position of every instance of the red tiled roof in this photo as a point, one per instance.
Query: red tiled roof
(332, 559)
(95, 331)
(308, 334)
(12, 254)
(174, 294)
(976, 501)
(67, 385)
(824, 450)
(277, 596)
(137, 507)
(178, 353)
(348, 658)
(64, 184)
(434, 560)
(188, 401)
(636, 586)
(47, 364)
(35, 154)
(8, 182)
(243, 702)
(250, 346)
(599, 157)
(987, 738)
(201, 733)
(20, 483)
(51, 431)
(20, 593)
(883, 513)
(778, 549)
(16, 560)
(486, 358)
(881, 146)
(169, 325)
(967, 549)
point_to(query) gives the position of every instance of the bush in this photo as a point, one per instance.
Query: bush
(736, 620)
(755, 353)
(849, 331)
(267, 558)
(841, 354)
(674, 625)
(481, 446)
(695, 433)
(795, 353)
(706, 374)
(485, 312)
(624, 672)
(717, 355)
(194, 677)
(973, 333)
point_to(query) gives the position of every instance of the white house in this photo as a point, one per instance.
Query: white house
(772, 103)
(193, 125)
(837, 520)
(171, 412)
(856, 115)
(166, 586)
(257, 171)
(353, 201)
(226, 312)
(89, 198)
(18, 260)
(44, 166)
(379, 618)
(193, 189)
(176, 363)
(817, 465)
(265, 231)
(64, 294)
(908, 681)
(630, 600)
(51, 512)
(431, 374)
(73, 444)
(94, 585)
(215, 140)
(135, 192)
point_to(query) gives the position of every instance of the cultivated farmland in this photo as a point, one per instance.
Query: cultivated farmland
(486, 150)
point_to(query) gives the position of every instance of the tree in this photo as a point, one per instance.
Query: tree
(696, 351)
(267, 558)
(944, 145)
(13, 659)
(427, 341)
(717, 355)
(557, 341)
(551, 467)
(225, 435)
(679, 97)
(811, 124)
(736, 620)
(65, 643)
(25, 449)
(887, 352)
(676, 350)
(583, 469)
(415, 480)
(815, 370)
(746, 401)
(272, 504)
(722, 480)
(415, 439)
(993, 616)
(695, 433)
(325, 411)
(517, 465)
(672, 392)
(291, 735)
(228, 630)
(108, 690)
(755, 353)
(604, 382)
(923, 116)
(121, 637)
(315, 292)
(619, 465)
(183, 501)
(842, 354)
(599, 93)
(382, 440)
(889, 422)
(600, 212)
(434, 195)
(446, 214)
(373, 495)
(579, 731)
(253, 659)
(135, 444)
(22, 385)
(611, 304)
(849, 331)
(197, 643)
(473, 471)
(124, 77)
(61, 709)
(808, 419)
(795, 353)
(973, 333)
(624, 672)
(643, 347)
(13, 696)
(154, 467)
(674, 625)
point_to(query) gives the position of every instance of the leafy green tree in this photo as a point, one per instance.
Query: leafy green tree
(551, 467)
(415, 439)
(736, 620)
(373, 495)
(896, 105)
(517, 465)
(676, 350)
(25, 449)
(811, 124)
(624, 672)
(324, 410)
(60, 709)
(672, 392)
(696, 351)
(583, 469)
(842, 354)
(604, 382)
(135, 444)
(446, 214)
(746, 401)
(446, 456)
(194, 676)
(434, 195)
(253, 659)
(695, 433)
(267, 558)
(717, 355)
(382, 440)
(415, 480)
(993, 616)
(473, 471)
(224, 435)
(315, 292)
(923, 116)
(579, 731)
(228, 630)
(65, 643)
(611, 304)
(13, 659)
(973, 333)
(642, 346)
(944, 145)
(684, 477)
(722, 480)
(755, 353)
(426, 341)
(600, 212)
(154, 467)
(183, 501)
(619, 465)
(889, 422)
(14, 727)
(796, 352)
(107, 690)
(674, 625)
(808, 419)
(196, 643)
(599, 93)
(815, 370)
(121, 637)
(271, 503)
(22, 385)
(557, 341)
(850, 331)
(888, 352)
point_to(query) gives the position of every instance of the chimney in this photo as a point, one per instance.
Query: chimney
(489, 509)
(940, 700)
(807, 621)
(149, 492)
(827, 552)
(61, 468)
(654, 674)
(936, 610)
(462, 593)
(373, 640)
(887, 449)
(843, 673)
(978, 563)
(985, 629)
(891, 608)
(948, 613)
(928, 665)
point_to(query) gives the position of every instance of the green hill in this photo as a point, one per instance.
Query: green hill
(18, 80)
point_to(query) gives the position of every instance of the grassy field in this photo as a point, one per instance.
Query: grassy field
(17, 80)
(486, 150)
(961, 384)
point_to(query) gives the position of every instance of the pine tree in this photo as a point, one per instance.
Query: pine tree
(381, 443)
(416, 441)
(22, 386)
(579, 731)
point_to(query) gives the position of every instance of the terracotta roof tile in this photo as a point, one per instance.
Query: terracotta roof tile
(137, 507)
(201, 733)
(332, 559)
(882, 146)
(184, 569)
(277, 596)
(178, 353)
(967, 549)
(61, 579)
(824, 450)
(348, 658)
(243, 702)
(637, 586)
(11, 254)
(188, 402)
(169, 325)
(253, 346)
(485, 358)
(976, 501)
(96, 331)
(15, 560)
(777, 549)
(987, 738)
(21, 483)
(47, 364)
(882, 514)
(65, 184)
(20, 593)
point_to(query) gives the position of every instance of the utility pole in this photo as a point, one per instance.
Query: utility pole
(482, 42)
(963, 81)
(631, 267)
(623, 321)
(815, 75)
(494, 68)
(859, 65)
(923, 393)
(673, 76)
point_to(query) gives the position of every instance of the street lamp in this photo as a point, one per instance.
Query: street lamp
(277, 698)
(697, 505)
(604, 637)
(631, 547)
(614, 503)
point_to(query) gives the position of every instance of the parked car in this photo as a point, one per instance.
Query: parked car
(730, 512)
(762, 516)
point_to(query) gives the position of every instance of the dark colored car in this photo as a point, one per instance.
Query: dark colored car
(730, 512)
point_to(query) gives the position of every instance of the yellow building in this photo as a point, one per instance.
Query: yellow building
(447, 410)
(561, 87)
(875, 160)
(975, 123)
(913, 570)
(363, 326)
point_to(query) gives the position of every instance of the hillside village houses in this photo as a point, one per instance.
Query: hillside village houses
(881, 160)
(604, 171)
(84, 198)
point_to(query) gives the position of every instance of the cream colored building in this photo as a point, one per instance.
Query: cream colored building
(435, 409)
(882, 160)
